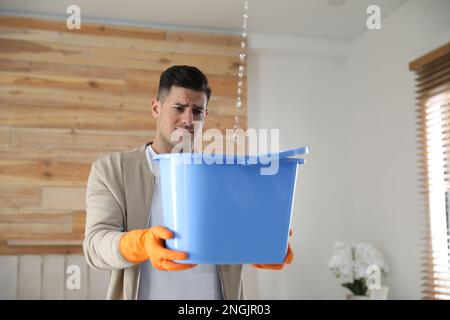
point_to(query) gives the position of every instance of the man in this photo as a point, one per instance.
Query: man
(124, 231)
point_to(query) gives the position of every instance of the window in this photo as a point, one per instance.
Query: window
(433, 114)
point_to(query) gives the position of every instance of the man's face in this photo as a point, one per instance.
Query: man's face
(176, 112)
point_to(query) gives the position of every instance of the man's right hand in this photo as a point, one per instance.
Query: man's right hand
(139, 245)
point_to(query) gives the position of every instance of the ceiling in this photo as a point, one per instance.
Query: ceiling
(311, 18)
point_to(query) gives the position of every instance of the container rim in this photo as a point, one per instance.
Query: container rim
(235, 159)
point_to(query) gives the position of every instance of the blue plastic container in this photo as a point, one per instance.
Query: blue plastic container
(228, 213)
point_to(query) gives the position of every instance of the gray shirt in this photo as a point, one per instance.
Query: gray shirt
(200, 282)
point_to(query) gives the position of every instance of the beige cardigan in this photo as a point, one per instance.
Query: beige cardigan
(118, 199)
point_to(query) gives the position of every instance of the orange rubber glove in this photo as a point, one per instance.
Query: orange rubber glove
(278, 266)
(139, 245)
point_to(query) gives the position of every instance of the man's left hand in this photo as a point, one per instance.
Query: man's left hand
(278, 266)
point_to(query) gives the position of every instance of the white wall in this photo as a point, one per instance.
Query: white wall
(356, 112)
(299, 96)
(384, 209)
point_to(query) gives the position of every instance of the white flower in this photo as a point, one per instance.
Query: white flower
(351, 261)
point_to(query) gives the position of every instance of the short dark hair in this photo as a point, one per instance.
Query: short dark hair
(186, 77)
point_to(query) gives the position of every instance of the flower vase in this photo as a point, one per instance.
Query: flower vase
(352, 296)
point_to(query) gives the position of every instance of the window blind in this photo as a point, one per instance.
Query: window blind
(433, 132)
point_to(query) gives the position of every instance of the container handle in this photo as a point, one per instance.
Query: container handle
(293, 152)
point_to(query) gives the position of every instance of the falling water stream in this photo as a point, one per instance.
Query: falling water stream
(242, 57)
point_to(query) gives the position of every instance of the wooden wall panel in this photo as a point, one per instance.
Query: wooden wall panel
(29, 277)
(9, 277)
(53, 277)
(69, 96)
(45, 277)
